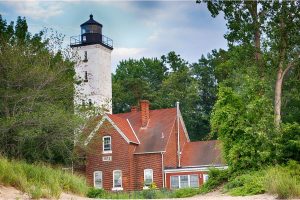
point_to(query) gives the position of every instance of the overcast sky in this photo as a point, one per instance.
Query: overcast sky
(138, 28)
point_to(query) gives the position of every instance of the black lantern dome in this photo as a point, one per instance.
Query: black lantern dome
(91, 33)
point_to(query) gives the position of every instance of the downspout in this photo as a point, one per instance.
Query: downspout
(178, 134)
(162, 168)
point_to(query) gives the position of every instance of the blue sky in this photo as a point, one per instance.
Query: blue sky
(138, 28)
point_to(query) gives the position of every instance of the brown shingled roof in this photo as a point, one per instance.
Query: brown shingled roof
(154, 137)
(201, 153)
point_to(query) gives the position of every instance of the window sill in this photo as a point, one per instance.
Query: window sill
(146, 188)
(117, 189)
(106, 152)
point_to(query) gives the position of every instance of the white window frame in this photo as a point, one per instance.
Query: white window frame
(117, 188)
(179, 183)
(205, 178)
(106, 151)
(101, 186)
(146, 186)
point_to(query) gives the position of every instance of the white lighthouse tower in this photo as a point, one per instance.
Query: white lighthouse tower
(93, 70)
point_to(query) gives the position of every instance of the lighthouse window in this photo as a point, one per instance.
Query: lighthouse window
(85, 76)
(85, 56)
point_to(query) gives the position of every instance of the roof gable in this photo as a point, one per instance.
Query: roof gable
(121, 125)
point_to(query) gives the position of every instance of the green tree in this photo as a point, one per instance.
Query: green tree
(278, 22)
(36, 96)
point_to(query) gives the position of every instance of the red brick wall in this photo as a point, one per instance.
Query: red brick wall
(122, 156)
(148, 161)
(168, 176)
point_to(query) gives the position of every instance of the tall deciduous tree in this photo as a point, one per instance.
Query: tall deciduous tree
(278, 23)
(37, 121)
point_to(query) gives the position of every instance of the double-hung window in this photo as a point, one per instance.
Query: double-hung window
(117, 180)
(148, 178)
(98, 179)
(106, 140)
(184, 181)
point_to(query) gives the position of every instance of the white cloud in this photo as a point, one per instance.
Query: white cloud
(123, 53)
(36, 9)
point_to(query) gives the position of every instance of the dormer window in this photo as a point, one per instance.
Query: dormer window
(106, 140)
(85, 76)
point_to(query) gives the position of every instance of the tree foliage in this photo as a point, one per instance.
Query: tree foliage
(36, 95)
(165, 81)
(258, 77)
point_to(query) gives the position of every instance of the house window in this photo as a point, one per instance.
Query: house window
(205, 177)
(117, 184)
(98, 179)
(85, 56)
(83, 103)
(194, 181)
(84, 38)
(184, 181)
(106, 144)
(148, 177)
(90, 102)
(85, 76)
(174, 182)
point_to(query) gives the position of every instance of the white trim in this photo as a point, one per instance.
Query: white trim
(162, 169)
(184, 128)
(103, 150)
(145, 176)
(193, 169)
(94, 181)
(179, 180)
(133, 132)
(117, 128)
(87, 141)
(150, 152)
(106, 117)
(117, 188)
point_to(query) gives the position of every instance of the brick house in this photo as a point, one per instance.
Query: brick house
(129, 151)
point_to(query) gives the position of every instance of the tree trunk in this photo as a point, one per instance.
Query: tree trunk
(278, 91)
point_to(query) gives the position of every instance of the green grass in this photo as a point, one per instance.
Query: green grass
(40, 180)
(283, 181)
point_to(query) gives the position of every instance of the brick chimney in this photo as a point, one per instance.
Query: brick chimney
(134, 108)
(144, 112)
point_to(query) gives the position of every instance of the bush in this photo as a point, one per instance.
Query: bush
(185, 192)
(216, 178)
(284, 181)
(247, 184)
(39, 180)
(95, 193)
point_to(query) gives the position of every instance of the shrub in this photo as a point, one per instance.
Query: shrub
(216, 178)
(95, 193)
(185, 192)
(246, 184)
(284, 181)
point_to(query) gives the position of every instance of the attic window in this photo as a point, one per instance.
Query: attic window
(85, 56)
(106, 144)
